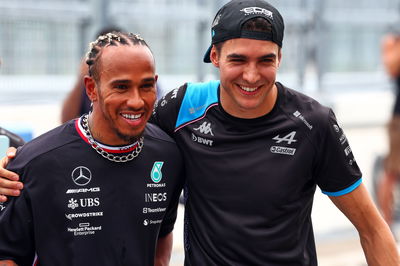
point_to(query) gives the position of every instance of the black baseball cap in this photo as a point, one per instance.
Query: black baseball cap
(229, 20)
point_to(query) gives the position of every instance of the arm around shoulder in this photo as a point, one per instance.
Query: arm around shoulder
(163, 250)
(376, 238)
(7, 263)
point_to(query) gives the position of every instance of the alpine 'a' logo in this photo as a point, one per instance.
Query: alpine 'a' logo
(205, 128)
(289, 138)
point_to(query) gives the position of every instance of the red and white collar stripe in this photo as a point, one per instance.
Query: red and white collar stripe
(112, 149)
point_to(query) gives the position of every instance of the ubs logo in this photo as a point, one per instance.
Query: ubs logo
(81, 175)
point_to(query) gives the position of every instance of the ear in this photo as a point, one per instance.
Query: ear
(214, 56)
(90, 85)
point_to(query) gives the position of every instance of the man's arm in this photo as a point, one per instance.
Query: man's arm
(391, 54)
(72, 103)
(163, 250)
(7, 263)
(9, 185)
(376, 238)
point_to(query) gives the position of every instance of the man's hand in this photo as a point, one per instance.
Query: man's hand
(7, 263)
(9, 185)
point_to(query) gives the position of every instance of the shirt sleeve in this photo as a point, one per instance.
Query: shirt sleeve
(167, 108)
(16, 231)
(336, 171)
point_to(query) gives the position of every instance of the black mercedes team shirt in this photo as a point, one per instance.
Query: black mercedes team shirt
(251, 182)
(78, 208)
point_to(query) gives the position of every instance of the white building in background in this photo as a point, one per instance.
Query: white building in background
(328, 44)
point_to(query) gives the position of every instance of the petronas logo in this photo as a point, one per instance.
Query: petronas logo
(156, 174)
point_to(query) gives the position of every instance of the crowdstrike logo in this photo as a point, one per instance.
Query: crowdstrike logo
(205, 128)
(71, 216)
(257, 11)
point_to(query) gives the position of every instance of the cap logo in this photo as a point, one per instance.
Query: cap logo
(216, 21)
(257, 11)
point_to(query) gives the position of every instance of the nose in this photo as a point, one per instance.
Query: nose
(135, 100)
(251, 74)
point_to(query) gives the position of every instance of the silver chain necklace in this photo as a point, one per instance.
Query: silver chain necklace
(105, 154)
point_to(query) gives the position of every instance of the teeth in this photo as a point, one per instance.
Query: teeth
(131, 117)
(248, 89)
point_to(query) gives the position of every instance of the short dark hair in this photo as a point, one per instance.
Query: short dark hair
(114, 38)
(256, 24)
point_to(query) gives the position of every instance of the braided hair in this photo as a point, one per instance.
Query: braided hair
(114, 38)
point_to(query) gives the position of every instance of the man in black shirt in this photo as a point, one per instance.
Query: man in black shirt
(102, 189)
(254, 152)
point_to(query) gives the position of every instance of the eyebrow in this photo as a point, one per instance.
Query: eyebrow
(119, 81)
(127, 81)
(240, 56)
(149, 79)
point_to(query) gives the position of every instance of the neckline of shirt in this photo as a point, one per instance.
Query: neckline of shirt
(107, 148)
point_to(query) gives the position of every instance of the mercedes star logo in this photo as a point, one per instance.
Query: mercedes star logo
(81, 175)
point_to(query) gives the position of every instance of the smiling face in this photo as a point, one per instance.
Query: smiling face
(248, 70)
(124, 96)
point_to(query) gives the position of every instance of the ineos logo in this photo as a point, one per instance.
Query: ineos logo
(81, 175)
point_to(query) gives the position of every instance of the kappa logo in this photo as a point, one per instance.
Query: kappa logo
(289, 138)
(81, 175)
(258, 11)
(205, 128)
(2, 207)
